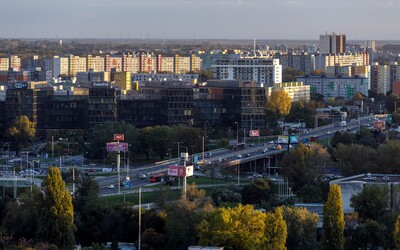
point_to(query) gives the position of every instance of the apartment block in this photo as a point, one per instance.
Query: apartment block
(130, 63)
(95, 63)
(15, 63)
(113, 63)
(77, 64)
(60, 66)
(148, 63)
(4, 63)
(324, 61)
(337, 86)
(263, 71)
(297, 91)
(332, 43)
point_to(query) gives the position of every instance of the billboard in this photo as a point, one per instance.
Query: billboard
(117, 147)
(119, 137)
(254, 133)
(180, 171)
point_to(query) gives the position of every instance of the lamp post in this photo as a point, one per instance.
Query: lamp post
(237, 133)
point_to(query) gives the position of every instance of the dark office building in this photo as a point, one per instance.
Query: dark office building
(24, 98)
(102, 106)
(222, 103)
(141, 110)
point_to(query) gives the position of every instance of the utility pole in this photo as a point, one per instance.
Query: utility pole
(179, 156)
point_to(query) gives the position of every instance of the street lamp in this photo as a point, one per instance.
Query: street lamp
(237, 133)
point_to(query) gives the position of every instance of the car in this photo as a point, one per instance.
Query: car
(142, 176)
(111, 186)
(246, 155)
(265, 150)
(251, 144)
(92, 164)
(208, 155)
(257, 175)
(239, 156)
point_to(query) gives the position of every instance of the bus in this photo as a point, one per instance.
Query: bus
(157, 178)
(239, 146)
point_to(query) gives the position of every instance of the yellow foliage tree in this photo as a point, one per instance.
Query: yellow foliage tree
(396, 233)
(279, 102)
(240, 227)
(275, 231)
(333, 236)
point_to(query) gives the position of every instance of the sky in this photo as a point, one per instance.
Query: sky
(200, 19)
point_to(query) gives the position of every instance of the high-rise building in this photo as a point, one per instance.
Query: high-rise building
(130, 63)
(296, 90)
(95, 63)
(15, 63)
(304, 62)
(113, 63)
(323, 61)
(60, 66)
(77, 64)
(263, 71)
(337, 86)
(166, 64)
(148, 63)
(182, 64)
(380, 78)
(4, 63)
(332, 44)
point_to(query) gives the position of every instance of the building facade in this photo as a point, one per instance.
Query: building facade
(296, 90)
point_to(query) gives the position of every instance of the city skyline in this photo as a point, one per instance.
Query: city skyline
(207, 19)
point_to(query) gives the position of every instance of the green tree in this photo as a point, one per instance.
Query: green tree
(369, 235)
(333, 235)
(301, 111)
(396, 233)
(257, 192)
(371, 202)
(240, 227)
(21, 133)
(302, 228)
(57, 215)
(391, 102)
(275, 231)
(279, 102)
(158, 140)
(290, 74)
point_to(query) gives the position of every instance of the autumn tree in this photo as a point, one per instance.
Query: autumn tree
(333, 225)
(301, 226)
(240, 227)
(279, 102)
(275, 231)
(21, 132)
(57, 215)
(396, 233)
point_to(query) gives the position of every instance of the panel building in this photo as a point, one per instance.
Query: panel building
(332, 44)
(263, 71)
(336, 86)
(296, 90)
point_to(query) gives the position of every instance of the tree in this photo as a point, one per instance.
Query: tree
(391, 102)
(279, 102)
(369, 235)
(333, 227)
(58, 213)
(275, 231)
(396, 233)
(21, 132)
(257, 192)
(290, 74)
(301, 226)
(240, 227)
(371, 202)
(301, 110)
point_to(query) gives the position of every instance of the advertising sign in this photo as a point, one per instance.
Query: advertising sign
(180, 171)
(117, 147)
(119, 137)
(254, 133)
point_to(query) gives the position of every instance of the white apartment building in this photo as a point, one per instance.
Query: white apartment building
(77, 64)
(337, 86)
(95, 63)
(15, 63)
(263, 71)
(182, 64)
(166, 64)
(148, 63)
(145, 77)
(60, 66)
(380, 78)
(4, 63)
(363, 70)
(296, 90)
(113, 63)
(130, 63)
(324, 61)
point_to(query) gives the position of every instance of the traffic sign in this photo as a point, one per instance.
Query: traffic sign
(117, 147)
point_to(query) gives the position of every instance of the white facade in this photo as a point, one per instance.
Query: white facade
(144, 77)
(4, 63)
(77, 64)
(167, 64)
(323, 61)
(296, 90)
(335, 86)
(263, 71)
(95, 63)
(60, 66)
(15, 63)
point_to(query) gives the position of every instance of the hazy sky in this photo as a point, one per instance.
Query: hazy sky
(225, 19)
